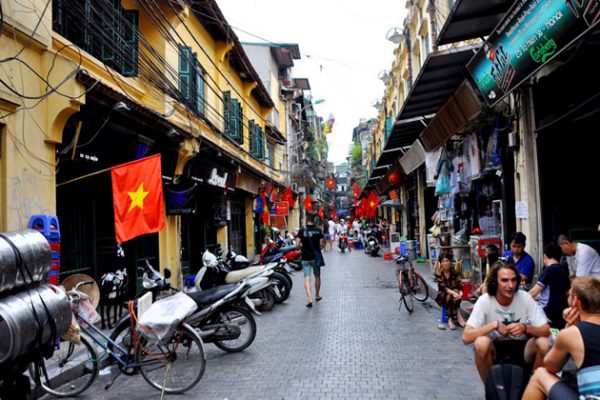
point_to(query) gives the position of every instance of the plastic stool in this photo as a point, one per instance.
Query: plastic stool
(444, 317)
(387, 256)
(47, 225)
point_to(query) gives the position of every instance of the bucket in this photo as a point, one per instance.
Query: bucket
(467, 288)
(34, 250)
(18, 326)
(411, 249)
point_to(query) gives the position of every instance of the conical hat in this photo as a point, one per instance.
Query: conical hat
(91, 290)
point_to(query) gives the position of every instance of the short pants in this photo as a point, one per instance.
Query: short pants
(309, 267)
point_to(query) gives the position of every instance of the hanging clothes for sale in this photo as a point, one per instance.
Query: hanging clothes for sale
(471, 154)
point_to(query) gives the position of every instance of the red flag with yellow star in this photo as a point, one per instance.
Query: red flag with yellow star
(371, 205)
(138, 198)
(308, 204)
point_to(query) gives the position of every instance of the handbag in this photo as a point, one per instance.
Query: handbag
(319, 259)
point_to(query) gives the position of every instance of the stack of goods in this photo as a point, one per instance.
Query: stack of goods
(47, 225)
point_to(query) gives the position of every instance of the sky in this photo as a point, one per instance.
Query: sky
(343, 48)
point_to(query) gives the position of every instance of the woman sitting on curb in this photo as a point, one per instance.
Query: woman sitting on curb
(449, 291)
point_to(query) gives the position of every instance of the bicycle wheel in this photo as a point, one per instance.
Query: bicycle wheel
(406, 297)
(70, 371)
(241, 318)
(419, 291)
(177, 363)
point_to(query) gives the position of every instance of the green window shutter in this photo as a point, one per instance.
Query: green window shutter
(226, 112)
(240, 113)
(262, 145)
(251, 133)
(129, 50)
(271, 152)
(233, 119)
(388, 127)
(185, 73)
(201, 91)
(110, 34)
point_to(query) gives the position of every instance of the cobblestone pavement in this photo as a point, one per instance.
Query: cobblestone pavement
(354, 344)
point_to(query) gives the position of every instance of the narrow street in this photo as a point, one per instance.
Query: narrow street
(354, 344)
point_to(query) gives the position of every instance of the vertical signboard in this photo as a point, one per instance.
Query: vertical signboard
(531, 34)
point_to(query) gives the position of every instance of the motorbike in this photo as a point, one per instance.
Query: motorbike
(373, 243)
(343, 242)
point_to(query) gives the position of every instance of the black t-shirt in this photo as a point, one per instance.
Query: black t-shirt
(557, 278)
(314, 234)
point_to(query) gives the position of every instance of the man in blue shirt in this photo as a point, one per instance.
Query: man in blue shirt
(523, 261)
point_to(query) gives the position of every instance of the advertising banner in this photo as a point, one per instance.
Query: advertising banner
(532, 33)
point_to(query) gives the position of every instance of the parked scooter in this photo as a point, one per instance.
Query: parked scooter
(373, 244)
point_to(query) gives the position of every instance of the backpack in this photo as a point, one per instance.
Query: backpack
(504, 382)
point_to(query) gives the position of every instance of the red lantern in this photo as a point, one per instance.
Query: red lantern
(394, 178)
(330, 183)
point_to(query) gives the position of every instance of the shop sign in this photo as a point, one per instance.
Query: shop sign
(212, 174)
(282, 208)
(180, 201)
(279, 222)
(532, 33)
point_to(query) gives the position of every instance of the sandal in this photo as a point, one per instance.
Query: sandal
(319, 298)
(462, 325)
(442, 327)
(309, 305)
(451, 325)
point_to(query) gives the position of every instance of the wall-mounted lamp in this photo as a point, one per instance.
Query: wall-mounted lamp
(384, 76)
(120, 106)
(395, 35)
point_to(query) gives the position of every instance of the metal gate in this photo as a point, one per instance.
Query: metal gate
(237, 227)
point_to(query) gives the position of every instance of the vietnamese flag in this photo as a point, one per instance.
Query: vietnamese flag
(356, 189)
(330, 183)
(320, 212)
(371, 206)
(138, 198)
(308, 204)
(288, 196)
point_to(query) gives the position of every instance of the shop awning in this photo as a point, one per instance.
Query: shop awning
(439, 77)
(470, 19)
(403, 134)
(413, 157)
(460, 109)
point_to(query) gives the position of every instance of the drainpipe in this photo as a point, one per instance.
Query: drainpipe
(433, 21)
(409, 56)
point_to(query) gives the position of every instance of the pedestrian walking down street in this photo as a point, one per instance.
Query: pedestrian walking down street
(310, 239)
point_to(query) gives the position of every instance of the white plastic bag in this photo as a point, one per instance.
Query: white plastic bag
(164, 316)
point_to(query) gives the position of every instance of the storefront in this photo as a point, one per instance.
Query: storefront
(84, 191)
(204, 224)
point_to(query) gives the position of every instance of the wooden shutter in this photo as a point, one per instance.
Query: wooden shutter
(240, 113)
(227, 112)
(129, 50)
(185, 72)
(200, 90)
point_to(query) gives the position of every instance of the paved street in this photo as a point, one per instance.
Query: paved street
(354, 344)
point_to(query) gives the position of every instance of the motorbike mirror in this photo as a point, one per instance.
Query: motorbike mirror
(167, 273)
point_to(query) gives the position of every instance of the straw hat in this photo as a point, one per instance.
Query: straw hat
(91, 290)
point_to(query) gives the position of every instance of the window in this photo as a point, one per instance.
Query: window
(271, 153)
(108, 33)
(191, 80)
(257, 141)
(388, 127)
(233, 118)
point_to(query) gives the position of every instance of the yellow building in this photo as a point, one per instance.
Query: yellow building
(87, 85)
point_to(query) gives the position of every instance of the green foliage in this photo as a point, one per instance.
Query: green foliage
(356, 154)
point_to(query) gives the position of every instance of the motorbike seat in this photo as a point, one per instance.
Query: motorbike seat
(239, 274)
(211, 295)
(287, 248)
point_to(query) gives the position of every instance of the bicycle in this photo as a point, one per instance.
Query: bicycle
(410, 283)
(73, 367)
